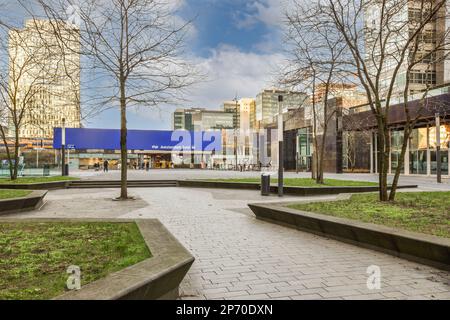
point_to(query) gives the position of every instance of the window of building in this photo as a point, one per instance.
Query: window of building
(423, 77)
(419, 15)
(418, 144)
(426, 57)
(304, 148)
(445, 140)
(396, 148)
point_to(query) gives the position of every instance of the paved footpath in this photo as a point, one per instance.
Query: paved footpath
(239, 257)
(425, 183)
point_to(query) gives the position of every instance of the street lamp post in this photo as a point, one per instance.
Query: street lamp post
(39, 147)
(438, 149)
(296, 153)
(63, 147)
(37, 153)
(235, 133)
(280, 146)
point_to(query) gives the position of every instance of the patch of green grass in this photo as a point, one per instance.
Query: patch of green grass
(34, 257)
(424, 212)
(305, 182)
(11, 194)
(29, 180)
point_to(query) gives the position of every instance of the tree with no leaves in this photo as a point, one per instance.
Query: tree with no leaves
(136, 52)
(384, 38)
(317, 65)
(29, 66)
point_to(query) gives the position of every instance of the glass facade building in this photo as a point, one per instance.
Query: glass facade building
(267, 104)
(421, 152)
(304, 149)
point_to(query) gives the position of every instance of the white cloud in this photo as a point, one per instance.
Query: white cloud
(232, 71)
(268, 12)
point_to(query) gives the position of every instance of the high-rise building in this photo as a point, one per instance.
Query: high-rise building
(247, 116)
(432, 69)
(349, 93)
(48, 89)
(267, 104)
(247, 122)
(182, 120)
(200, 119)
(233, 107)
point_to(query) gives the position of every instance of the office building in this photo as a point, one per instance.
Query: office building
(233, 107)
(421, 153)
(267, 104)
(431, 70)
(200, 119)
(49, 88)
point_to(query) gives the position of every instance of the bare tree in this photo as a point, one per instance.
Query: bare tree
(381, 39)
(317, 65)
(136, 51)
(426, 50)
(355, 137)
(25, 75)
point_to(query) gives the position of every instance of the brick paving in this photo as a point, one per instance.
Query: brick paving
(239, 257)
(426, 183)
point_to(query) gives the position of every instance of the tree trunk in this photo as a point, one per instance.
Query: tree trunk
(8, 155)
(401, 160)
(320, 176)
(123, 143)
(16, 157)
(383, 159)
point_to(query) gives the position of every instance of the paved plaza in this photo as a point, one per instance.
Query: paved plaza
(425, 183)
(240, 257)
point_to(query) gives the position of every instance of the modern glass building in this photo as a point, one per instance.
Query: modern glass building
(421, 152)
(202, 119)
(267, 104)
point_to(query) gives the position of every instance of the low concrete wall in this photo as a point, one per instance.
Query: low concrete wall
(300, 191)
(425, 249)
(218, 184)
(30, 202)
(157, 278)
(38, 186)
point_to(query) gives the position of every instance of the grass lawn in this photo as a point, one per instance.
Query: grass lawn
(305, 182)
(27, 180)
(34, 257)
(425, 212)
(10, 194)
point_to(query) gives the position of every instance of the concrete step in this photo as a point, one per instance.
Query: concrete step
(118, 181)
(116, 184)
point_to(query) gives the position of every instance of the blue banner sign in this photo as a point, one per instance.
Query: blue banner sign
(153, 140)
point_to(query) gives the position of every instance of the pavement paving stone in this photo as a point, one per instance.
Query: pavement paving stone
(237, 255)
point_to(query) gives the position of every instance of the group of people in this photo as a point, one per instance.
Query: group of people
(97, 166)
(143, 166)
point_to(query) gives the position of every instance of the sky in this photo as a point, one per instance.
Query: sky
(235, 42)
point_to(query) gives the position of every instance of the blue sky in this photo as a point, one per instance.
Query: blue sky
(237, 42)
(232, 22)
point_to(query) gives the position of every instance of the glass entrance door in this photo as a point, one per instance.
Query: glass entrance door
(444, 162)
(418, 162)
(304, 163)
